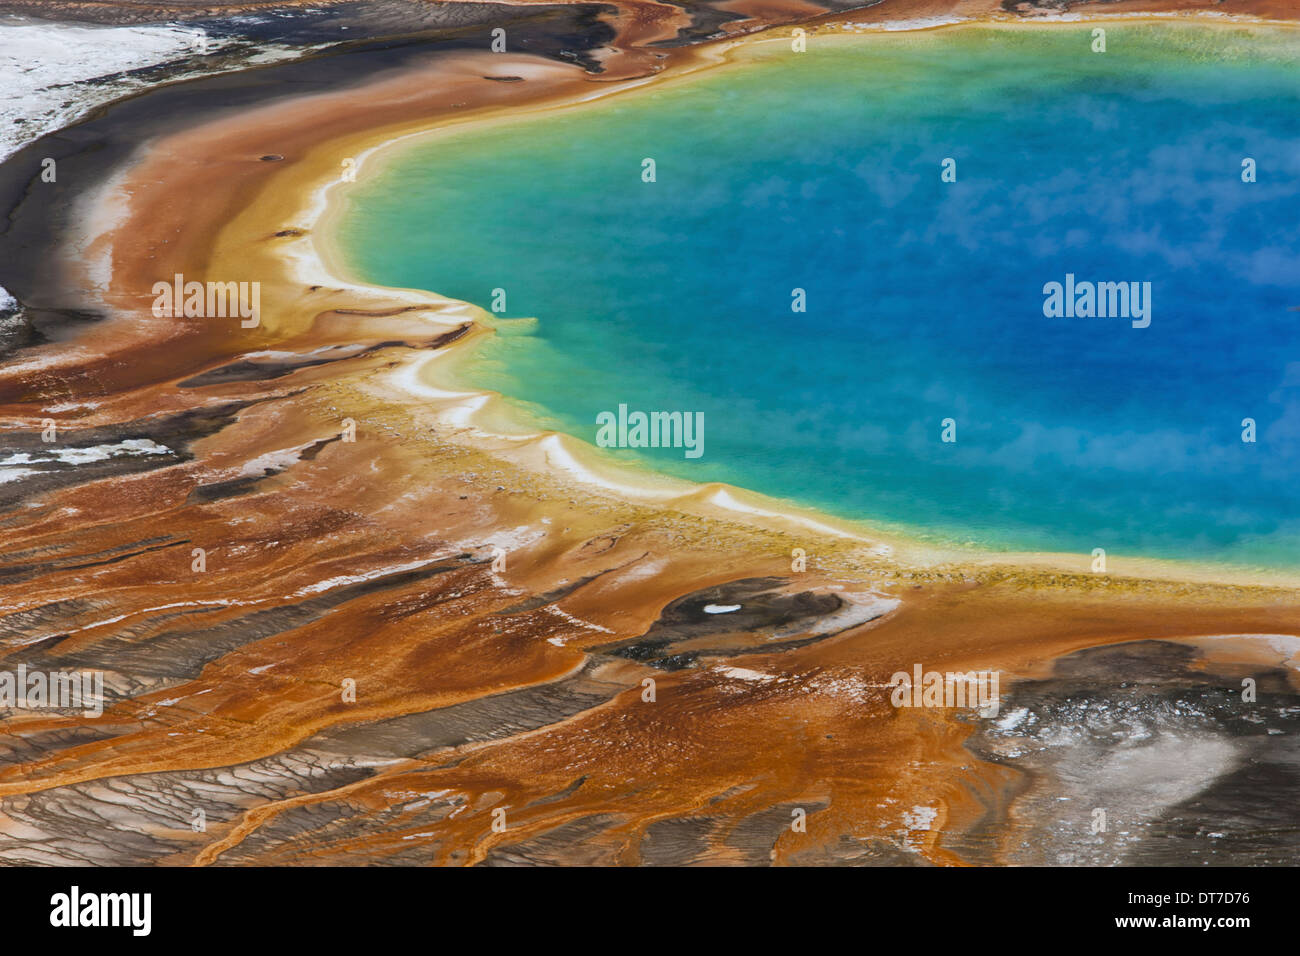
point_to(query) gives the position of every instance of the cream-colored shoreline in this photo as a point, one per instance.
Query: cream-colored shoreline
(487, 421)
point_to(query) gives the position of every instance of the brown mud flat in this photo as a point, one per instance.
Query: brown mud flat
(585, 703)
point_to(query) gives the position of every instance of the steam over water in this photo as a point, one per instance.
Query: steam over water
(925, 299)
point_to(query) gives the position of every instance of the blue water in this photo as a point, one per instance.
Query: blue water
(924, 299)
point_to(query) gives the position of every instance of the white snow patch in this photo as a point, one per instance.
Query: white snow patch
(273, 461)
(919, 818)
(342, 579)
(12, 468)
(577, 620)
(53, 74)
(1012, 720)
(80, 456)
(69, 406)
(46, 67)
(16, 474)
(744, 673)
(643, 569)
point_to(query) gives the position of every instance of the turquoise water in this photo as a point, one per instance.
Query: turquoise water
(925, 299)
